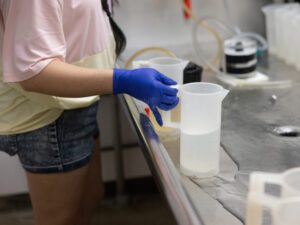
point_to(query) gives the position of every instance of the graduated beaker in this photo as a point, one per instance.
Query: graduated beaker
(283, 211)
(173, 68)
(289, 182)
(201, 106)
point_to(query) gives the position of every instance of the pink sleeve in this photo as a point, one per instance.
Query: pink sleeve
(33, 37)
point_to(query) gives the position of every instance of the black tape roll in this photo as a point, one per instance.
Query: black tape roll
(239, 59)
(240, 70)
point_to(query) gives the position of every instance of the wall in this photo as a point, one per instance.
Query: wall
(160, 22)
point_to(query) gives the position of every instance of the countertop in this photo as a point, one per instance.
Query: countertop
(248, 143)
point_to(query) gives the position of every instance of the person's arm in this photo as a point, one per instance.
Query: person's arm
(65, 80)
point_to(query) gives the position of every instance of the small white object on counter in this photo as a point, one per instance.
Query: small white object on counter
(259, 78)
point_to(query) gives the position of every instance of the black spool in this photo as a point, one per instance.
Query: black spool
(240, 58)
(192, 73)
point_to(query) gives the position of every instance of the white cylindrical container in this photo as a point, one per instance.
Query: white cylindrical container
(289, 33)
(271, 26)
(295, 41)
(289, 183)
(201, 105)
(171, 67)
(282, 26)
(279, 20)
(292, 52)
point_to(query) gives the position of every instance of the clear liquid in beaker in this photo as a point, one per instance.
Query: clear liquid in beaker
(199, 154)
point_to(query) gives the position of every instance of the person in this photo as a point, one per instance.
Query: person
(57, 58)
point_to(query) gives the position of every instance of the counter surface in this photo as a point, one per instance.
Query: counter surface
(248, 143)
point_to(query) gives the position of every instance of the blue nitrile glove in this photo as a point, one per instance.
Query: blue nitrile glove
(149, 86)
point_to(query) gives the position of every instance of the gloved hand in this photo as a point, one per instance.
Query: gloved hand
(149, 86)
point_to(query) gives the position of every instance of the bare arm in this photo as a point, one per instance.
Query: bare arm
(65, 80)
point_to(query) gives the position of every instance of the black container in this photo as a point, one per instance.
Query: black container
(192, 73)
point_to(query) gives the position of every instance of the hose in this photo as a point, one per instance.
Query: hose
(239, 34)
(199, 22)
(221, 23)
(150, 49)
(236, 32)
(209, 65)
(258, 38)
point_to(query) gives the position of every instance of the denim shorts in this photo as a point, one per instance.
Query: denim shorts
(64, 145)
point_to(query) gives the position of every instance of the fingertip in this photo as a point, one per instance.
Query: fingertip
(175, 90)
(157, 116)
(167, 80)
(171, 91)
(159, 119)
(172, 82)
(160, 122)
(177, 100)
(168, 107)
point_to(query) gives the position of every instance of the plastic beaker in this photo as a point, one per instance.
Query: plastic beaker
(173, 68)
(283, 211)
(289, 182)
(201, 106)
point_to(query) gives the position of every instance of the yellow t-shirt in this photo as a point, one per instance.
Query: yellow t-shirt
(32, 34)
(22, 111)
